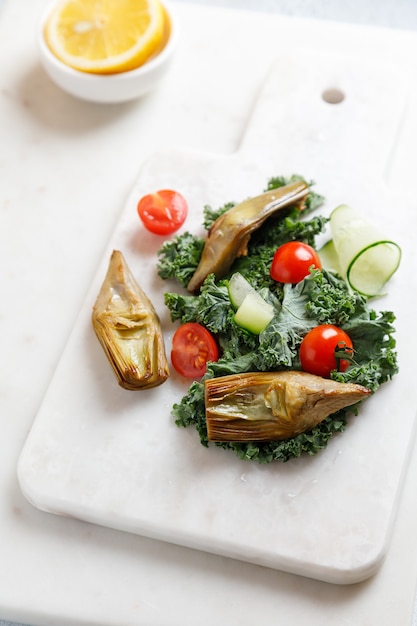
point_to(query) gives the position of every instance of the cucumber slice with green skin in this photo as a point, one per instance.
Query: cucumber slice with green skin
(238, 289)
(254, 314)
(367, 259)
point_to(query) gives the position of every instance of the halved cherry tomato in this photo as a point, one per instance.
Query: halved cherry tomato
(317, 350)
(163, 212)
(192, 347)
(292, 261)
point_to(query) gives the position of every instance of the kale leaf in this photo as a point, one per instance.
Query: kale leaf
(179, 257)
(330, 302)
(211, 308)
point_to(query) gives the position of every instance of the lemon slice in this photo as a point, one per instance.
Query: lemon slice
(105, 36)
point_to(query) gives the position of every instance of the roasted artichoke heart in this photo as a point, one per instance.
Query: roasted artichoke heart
(270, 406)
(129, 330)
(229, 235)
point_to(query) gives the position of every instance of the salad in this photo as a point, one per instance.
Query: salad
(245, 318)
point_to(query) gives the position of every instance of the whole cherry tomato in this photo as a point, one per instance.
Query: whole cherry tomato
(163, 212)
(317, 350)
(192, 347)
(292, 261)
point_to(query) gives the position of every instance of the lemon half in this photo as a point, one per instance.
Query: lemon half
(105, 36)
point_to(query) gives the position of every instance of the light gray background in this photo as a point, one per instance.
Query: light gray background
(391, 13)
(400, 14)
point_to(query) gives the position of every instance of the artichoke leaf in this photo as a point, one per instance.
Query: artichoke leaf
(228, 237)
(272, 406)
(128, 329)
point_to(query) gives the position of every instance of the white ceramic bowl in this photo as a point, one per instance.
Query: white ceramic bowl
(109, 88)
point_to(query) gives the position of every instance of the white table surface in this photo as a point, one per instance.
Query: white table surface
(66, 168)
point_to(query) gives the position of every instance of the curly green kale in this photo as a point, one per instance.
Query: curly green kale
(330, 302)
(211, 307)
(178, 258)
(321, 298)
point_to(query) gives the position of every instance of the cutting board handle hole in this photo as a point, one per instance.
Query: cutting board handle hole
(333, 96)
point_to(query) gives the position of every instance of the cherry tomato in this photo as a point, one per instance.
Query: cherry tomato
(192, 347)
(318, 347)
(163, 212)
(292, 261)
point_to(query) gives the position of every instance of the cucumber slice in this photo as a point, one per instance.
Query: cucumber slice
(328, 257)
(254, 314)
(367, 259)
(238, 289)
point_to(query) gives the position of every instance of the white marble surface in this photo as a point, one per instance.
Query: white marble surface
(65, 170)
(95, 450)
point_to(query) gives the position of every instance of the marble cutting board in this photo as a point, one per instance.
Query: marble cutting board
(115, 458)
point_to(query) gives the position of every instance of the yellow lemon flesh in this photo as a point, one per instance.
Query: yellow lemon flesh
(106, 36)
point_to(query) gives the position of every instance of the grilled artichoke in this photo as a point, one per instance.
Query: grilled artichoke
(229, 235)
(129, 330)
(271, 406)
